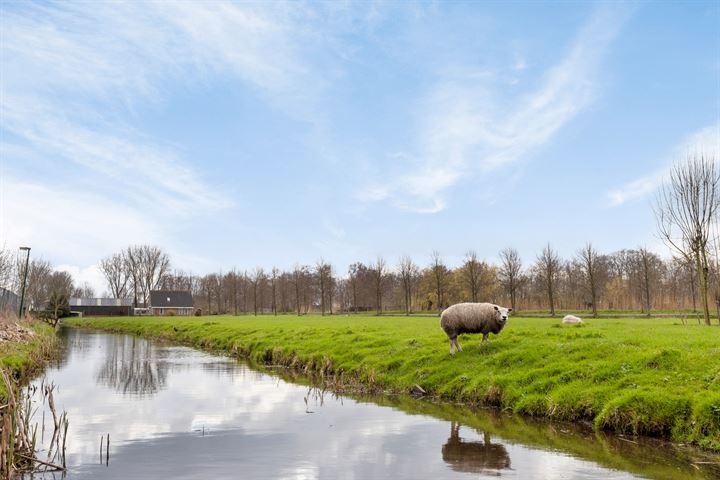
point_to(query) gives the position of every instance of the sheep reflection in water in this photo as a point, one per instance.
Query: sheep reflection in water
(475, 457)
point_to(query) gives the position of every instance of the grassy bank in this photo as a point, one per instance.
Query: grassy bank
(25, 346)
(30, 344)
(641, 376)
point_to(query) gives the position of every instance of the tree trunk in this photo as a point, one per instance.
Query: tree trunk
(255, 303)
(552, 303)
(693, 292)
(648, 306)
(703, 273)
(407, 300)
(354, 289)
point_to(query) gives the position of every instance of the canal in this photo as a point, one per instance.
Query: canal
(179, 413)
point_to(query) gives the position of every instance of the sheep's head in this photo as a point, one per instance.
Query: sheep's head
(501, 314)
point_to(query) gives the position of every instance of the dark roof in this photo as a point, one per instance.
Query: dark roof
(171, 298)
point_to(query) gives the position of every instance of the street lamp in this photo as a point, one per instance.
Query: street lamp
(22, 294)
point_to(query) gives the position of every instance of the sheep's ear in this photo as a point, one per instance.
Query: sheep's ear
(509, 310)
(496, 308)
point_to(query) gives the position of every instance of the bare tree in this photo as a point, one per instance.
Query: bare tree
(146, 267)
(511, 274)
(472, 270)
(686, 209)
(649, 267)
(116, 272)
(177, 280)
(7, 268)
(282, 291)
(548, 266)
(36, 289)
(715, 263)
(298, 281)
(219, 291)
(379, 272)
(133, 265)
(353, 273)
(155, 264)
(331, 286)
(408, 276)
(59, 282)
(440, 276)
(257, 279)
(323, 270)
(274, 277)
(231, 283)
(210, 289)
(7, 279)
(690, 275)
(589, 261)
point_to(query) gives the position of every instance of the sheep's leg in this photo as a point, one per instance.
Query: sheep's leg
(452, 346)
(457, 345)
(485, 337)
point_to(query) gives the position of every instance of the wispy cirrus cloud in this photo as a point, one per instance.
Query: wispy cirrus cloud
(128, 52)
(140, 169)
(705, 141)
(469, 130)
(72, 74)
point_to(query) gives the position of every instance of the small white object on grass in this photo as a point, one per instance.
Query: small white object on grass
(571, 319)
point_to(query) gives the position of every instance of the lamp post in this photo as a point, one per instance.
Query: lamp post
(22, 294)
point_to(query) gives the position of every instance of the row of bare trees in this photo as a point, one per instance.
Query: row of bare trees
(625, 280)
(635, 279)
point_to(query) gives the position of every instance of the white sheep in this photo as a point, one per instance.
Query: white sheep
(482, 318)
(571, 320)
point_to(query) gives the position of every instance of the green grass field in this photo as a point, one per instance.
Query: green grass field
(641, 376)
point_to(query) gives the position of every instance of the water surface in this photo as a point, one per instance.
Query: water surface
(178, 413)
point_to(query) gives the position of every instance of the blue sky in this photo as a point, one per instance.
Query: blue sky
(240, 134)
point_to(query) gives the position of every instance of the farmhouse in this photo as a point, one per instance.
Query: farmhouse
(171, 302)
(104, 307)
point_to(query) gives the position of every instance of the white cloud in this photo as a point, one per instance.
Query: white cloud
(467, 131)
(90, 275)
(70, 73)
(705, 140)
(60, 222)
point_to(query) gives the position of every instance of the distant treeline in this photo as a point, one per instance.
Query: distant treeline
(626, 280)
